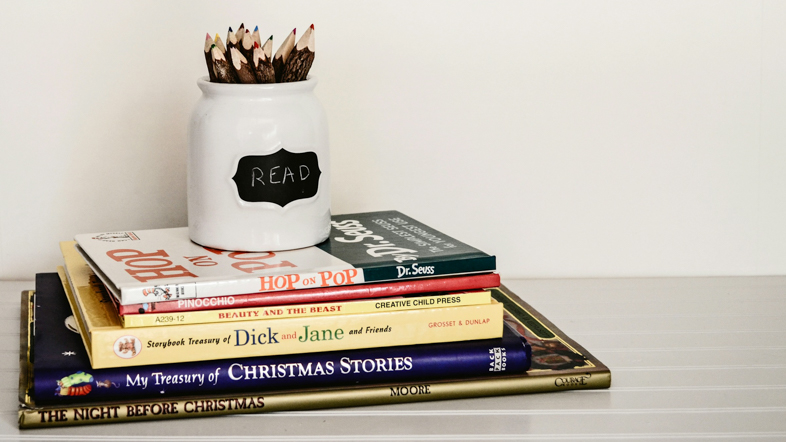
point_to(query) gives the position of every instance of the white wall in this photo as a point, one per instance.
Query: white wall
(600, 138)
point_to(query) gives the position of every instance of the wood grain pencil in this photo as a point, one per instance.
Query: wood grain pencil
(246, 46)
(231, 43)
(263, 68)
(243, 70)
(267, 48)
(282, 54)
(255, 35)
(300, 59)
(220, 44)
(209, 58)
(223, 70)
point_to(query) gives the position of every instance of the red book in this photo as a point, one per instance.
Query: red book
(337, 293)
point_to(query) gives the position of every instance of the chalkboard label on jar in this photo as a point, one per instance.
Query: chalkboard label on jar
(278, 178)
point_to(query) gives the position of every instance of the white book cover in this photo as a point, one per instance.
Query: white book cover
(144, 266)
(164, 264)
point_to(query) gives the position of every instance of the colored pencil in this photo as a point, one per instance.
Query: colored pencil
(246, 46)
(209, 58)
(300, 58)
(255, 35)
(243, 70)
(282, 54)
(221, 67)
(220, 44)
(231, 43)
(263, 68)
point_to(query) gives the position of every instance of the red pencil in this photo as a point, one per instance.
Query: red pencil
(300, 59)
(263, 68)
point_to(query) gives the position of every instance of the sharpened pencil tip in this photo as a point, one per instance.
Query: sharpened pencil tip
(230, 29)
(208, 37)
(256, 28)
(271, 37)
(312, 26)
(256, 45)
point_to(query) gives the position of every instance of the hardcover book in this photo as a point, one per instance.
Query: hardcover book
(62, 373)
(109, 344)
(558, 363)
(162, 265)
(357, 306)
(325, 294)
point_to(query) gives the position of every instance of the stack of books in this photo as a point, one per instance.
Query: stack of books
(148, 325)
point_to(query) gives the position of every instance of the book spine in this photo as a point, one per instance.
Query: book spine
(493, 357)
(118, 347)
(306, 280)
(308, 400)
(453, 266)
(307, 310)
(362, 291)
(237, 286)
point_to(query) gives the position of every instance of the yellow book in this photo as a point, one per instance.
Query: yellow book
(305, 310)
(109, 344)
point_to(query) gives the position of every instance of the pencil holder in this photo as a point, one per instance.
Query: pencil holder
(258, 167)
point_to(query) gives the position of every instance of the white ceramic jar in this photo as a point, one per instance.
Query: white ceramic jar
(258, 167)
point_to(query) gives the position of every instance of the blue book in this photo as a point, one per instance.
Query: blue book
(62, 373)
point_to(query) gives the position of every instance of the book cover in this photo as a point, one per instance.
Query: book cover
(164, 264)
(558, 363)
(357, 306)
(337, 293)
(62, 373)
(109, 344)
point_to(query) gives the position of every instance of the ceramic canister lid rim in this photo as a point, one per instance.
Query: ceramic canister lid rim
(251, 89)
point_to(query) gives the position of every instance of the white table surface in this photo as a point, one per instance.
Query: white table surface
(691, 359)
